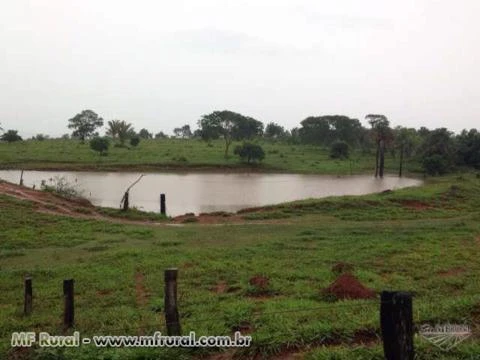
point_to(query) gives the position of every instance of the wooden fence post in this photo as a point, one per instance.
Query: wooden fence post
(68, 312)
(171, 311)
(163, 209)
(396, 319)
(27, 306)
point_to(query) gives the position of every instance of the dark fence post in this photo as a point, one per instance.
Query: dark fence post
(69, 312)
(163, 209)
(171, 311)
(396, 319)
(27, 306)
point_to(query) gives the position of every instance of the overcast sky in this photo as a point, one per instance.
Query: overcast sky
(162, 64)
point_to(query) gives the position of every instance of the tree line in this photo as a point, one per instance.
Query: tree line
(438, 150)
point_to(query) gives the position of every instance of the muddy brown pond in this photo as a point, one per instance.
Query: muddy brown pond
(208, 192)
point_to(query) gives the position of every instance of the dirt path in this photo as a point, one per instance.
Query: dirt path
(50, 203)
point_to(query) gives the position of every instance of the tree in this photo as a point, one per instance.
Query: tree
(339, 150)
(85, 124)
(250, 152)
(145, 134)
(382, 134)
(161, 135)
(121, 130)
(324, 130)
(41, 137)
(113, 128)
(274, 131)
(229, 125)
(468, 148)
(183, 132)
(125, 132)
(435, 165)
(406, 139)
(135, 140)
(437, 151)
(100, 144)
(11, 136)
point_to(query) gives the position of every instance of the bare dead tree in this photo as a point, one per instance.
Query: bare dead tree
(124, 203)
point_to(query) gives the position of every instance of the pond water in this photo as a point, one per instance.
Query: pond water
(207, 192)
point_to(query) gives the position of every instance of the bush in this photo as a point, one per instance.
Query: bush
(61, 186)
(100, 144)
(436, 165)
(250, 152)
(339, 150)
(40, 137)
(134, 141)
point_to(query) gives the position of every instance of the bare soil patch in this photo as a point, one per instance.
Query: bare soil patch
(451, 272)
(415, 205)
(220, 288)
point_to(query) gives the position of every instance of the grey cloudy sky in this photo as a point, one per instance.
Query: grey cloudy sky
(161, 64)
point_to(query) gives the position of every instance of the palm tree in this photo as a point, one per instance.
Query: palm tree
(382, 133)
(113, 126)
(405, 141)
(125, 131)
(121, 130)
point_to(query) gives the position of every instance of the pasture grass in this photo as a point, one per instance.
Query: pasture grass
(59, 154)
(425, 240)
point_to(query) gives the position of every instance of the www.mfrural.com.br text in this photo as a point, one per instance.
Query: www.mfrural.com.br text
(44, 339)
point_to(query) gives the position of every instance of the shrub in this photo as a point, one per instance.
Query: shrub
(435, 165)
(339, 150)
(250, 152)
(134, 141)
(100, 144)
(61, 186)
(40, 137)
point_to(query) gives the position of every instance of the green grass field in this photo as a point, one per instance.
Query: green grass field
(425, 240)
(181, 154)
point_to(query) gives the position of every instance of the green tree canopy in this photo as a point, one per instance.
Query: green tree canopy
(437, 151)
(468, 148)
(274, 131)
(229, 125)
(85, 124)
(339, 150)
(11, 136)
(250, 152)
(145, 134)
(100, 144)
(183, 132)
(323, 130)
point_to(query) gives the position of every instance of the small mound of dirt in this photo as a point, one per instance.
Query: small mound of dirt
(347, 286)
(259, 282)
(451, 272)
(260, 287)
(415, 205)
(341, 267)
(220, 288)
